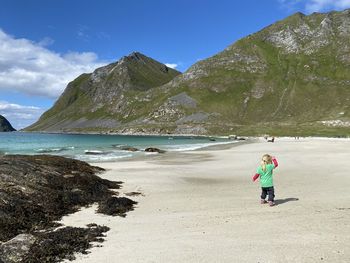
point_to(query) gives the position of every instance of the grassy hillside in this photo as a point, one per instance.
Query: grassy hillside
(290, 78)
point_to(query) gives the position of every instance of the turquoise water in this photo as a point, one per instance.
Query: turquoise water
(96, 148)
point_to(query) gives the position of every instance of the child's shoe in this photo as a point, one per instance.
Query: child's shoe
(263, 201)
(271, 203)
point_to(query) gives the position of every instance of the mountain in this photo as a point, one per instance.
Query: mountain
(290, 78)
(104, 99)
(5, 125)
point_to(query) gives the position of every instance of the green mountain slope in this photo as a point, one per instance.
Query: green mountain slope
(292, 77)
(101, 100)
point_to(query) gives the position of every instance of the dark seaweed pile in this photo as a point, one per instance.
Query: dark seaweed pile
(37, 190)
(116, 206)
(63, 243)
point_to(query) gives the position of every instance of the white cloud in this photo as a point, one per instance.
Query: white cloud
(321, 5)
(46, 41)
(28, 67)
(171, 65)
(20, 116)
(311, 6)
(289, 4)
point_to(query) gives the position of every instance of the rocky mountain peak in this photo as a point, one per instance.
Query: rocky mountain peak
(298, 15)
(109, 90)
(132, 72)
(136, 55)
(120, 67)
(133, 57)
(307, 34)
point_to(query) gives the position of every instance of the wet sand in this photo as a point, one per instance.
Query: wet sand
(202, 206)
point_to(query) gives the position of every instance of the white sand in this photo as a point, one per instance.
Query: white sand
(203, 207)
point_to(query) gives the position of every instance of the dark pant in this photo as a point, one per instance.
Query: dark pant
(270, 191)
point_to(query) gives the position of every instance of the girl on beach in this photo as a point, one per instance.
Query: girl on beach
(265, 172)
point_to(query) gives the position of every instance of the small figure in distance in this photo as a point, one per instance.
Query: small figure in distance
(271, 140)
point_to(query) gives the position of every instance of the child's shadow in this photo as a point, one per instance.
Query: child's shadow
(285, 200)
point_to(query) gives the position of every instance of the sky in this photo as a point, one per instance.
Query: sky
(46, 44)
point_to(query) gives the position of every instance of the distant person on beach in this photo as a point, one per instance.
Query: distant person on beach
(265, 173)
(272, 139)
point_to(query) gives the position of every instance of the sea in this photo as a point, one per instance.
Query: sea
(99, 148)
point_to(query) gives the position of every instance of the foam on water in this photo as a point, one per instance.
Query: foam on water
(192, 147)
(102, 158)
(52, 150)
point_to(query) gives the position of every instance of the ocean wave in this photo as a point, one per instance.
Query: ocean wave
(192, 147)
(96, 152)
(101, 158)
(50, 150)
(150, 153)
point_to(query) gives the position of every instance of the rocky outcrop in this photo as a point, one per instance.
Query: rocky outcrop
(5, 125)
(154, 150)
(35, 191)
(126, 148)
(17, 248)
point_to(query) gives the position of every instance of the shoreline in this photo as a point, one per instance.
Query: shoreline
(203, 207)
(131, 134)
(182, 153)
(182, 135)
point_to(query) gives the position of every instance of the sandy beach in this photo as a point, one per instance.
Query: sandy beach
(202, 206)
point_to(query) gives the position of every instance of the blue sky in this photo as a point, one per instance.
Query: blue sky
(45, 44)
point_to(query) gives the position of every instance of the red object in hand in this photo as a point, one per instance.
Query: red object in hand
(274, 160)
(256, 176)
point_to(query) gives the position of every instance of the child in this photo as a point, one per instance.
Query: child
(264, 171)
